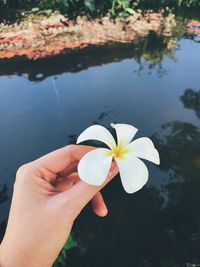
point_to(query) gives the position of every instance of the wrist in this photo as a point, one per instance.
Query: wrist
(15, 256)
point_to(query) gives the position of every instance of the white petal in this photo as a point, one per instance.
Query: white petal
(125, 133)
(144, 148)
(134, 173)
(94, 167)
(97, 132)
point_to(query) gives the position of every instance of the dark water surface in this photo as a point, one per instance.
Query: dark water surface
(155, 86)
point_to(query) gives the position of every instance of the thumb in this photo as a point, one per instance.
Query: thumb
(81, 193)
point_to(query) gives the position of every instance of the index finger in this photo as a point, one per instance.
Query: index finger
(63, 158)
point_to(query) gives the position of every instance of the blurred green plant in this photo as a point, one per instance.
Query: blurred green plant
(61, 260)
(122, 7)
(97, 7)
(169, 3)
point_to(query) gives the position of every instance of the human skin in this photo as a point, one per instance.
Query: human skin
(48, 196)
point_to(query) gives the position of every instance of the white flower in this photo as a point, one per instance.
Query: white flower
(94, 167)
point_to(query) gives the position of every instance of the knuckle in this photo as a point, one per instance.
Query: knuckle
(22, 170)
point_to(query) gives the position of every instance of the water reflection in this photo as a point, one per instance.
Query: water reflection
(3, 193)
(128, 235)
(152, 50)
(2, 228)
(156, 227)
(191, 100)
(149, 52)
(179, 146)
(3, 198)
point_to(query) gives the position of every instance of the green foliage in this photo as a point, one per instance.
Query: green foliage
(97, 7)
(90, 4)
(69, 7)
(122, 7)
(61, 260)
(170, 3)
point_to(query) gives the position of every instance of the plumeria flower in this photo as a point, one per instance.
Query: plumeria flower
(94, 166)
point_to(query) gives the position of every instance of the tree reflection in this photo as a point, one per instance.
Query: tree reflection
(148, 229)
(155, 227)
(151, 52)
(180, 153)
(179, 147)
(191, 100)
(130, 236)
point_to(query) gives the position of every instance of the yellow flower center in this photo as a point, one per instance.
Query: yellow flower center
(118, 151)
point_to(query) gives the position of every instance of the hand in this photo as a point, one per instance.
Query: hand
(48, 196)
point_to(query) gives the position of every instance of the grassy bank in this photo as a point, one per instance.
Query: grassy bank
(97, 7)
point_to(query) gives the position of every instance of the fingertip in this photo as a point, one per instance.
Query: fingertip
(101, 212)
(104, 213)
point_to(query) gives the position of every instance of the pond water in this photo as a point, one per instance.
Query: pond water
(154, 85)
